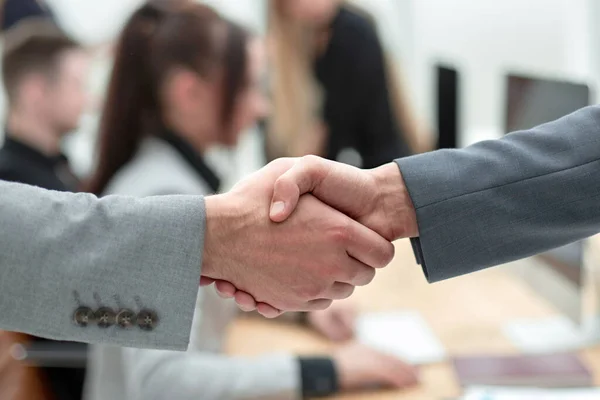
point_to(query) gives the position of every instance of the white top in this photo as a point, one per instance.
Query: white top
(202, 372)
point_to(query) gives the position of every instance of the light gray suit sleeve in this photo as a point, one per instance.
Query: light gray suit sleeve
(155, 374)
(502, 200)
(60, 251)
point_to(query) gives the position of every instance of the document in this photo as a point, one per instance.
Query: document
(403, 334)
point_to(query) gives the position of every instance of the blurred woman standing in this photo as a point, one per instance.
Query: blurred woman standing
(185, 79)
(333, 94)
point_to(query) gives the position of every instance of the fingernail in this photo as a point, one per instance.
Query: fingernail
(277, 208)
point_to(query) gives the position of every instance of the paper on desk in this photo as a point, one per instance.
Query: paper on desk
(402, 334)
(552, 334)
(504, 393)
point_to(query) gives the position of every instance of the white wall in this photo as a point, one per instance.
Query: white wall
(486, 38)
(593, 16)
(93, 22)
(395, 22)
(250, 13)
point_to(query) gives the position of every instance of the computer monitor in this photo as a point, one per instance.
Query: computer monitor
(532, 101)
(447, 106)
(557, 275)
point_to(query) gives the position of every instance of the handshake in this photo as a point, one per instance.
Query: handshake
(302, 232)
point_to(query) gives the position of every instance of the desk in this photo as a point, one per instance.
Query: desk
(466, 314)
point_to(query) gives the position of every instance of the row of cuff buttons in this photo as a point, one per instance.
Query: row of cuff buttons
(105, 317)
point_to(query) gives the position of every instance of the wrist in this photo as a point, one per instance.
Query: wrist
(394, 201)
(222, 219)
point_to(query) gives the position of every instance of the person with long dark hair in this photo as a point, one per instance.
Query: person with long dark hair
(185, 79)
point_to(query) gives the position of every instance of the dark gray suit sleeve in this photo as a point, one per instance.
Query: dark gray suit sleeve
(502, 200)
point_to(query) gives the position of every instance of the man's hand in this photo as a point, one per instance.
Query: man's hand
(336, 323)
(360, 367)
(318, 254)
(376, 198)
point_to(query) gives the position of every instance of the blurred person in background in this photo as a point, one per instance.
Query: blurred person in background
(185, 79)
(43, 73)
(333, 93)
(14, 11)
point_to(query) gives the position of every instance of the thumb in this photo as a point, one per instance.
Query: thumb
(286, 193)
(302, 178)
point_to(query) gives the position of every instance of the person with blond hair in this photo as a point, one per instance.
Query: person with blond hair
(334, 93)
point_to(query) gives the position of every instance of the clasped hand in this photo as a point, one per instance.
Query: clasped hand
(302, 232)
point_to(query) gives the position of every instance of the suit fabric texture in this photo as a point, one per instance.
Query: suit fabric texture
(501, 200)
(61, 251)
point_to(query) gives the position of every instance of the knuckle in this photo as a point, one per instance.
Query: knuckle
(315, 166)
(312, 292)
(280, 165)
(287, 305)
(310, 159)
(352, 274)
(283, 161)
(341, 233)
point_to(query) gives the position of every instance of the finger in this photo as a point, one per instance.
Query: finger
(268, 311)
(204, 281)
(340, 331)
(244, 301)
(406, 376)
(355, 273)
(398, 373)
(367, 246)
(410, 376)
(302, 178)
(347, 321)
(390, 376)
(225, 289)
(339, 291)
(333, 331)
(317, 304)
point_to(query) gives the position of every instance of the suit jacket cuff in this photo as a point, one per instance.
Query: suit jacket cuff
(418, 251)
(426, 177)
(164, 270)
(318, 376)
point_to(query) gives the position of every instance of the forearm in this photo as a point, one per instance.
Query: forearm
(498, 201)
(62, 251)
(193, 375)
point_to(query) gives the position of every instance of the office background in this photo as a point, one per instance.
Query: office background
(483, 42)
(483, 39)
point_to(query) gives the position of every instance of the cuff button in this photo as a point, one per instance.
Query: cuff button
(83, 316)
(147, 320)
(105, 317)
(126, 318)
